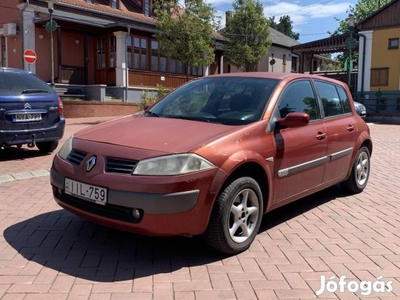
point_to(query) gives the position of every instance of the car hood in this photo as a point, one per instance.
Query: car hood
(157, 134)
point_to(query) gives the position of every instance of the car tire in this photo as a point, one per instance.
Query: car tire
(360, 172)
(47, 147)
(236, 217)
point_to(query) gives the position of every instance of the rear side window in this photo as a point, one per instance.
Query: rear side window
(299, 97)
(15, 84)
(333, 103)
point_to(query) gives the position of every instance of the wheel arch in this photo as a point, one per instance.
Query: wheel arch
(255, 171)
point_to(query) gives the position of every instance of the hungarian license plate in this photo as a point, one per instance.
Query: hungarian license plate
(27, 117)
(85, 191)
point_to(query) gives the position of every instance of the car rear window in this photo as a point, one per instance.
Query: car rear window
(12, 83)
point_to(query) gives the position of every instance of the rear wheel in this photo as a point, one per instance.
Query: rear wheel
(46, 147)
(360, 172)
(236, 217)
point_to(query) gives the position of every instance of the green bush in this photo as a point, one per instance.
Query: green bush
(148, 98)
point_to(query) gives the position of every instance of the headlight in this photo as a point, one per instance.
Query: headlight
(172, 165)
(66, 148)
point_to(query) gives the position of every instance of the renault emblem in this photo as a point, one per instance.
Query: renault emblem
(90, 163)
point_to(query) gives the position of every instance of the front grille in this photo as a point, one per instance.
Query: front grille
(109, 211)
(120, 166)
(75, 157)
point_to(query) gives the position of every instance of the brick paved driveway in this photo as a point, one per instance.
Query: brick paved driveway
(47, 253)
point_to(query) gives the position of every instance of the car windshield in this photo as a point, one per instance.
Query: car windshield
(15, 84)
(225, 100)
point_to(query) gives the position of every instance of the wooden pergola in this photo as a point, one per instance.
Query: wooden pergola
(328, 45)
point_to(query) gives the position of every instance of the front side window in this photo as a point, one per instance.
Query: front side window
(299, 97)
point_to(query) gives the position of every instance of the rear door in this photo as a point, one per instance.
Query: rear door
(300, 152)
(340, 127)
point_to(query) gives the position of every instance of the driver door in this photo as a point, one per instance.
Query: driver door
(300, 153)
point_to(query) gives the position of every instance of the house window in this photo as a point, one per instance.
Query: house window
(146, 8)
(113, 52)
(101, 53)
(294, 63)
(140, 53)
(3, 56)
(284, 63)
(380, 77)
(394, 43)
(114, 3)
(158, 62)
(129, 51)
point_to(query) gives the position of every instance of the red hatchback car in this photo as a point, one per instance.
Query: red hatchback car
(214, 155)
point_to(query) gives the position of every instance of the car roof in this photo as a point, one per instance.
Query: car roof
(14, 70)
(277, 76)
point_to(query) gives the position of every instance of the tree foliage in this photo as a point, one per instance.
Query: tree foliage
(285, 26)
(186, 32)
(247, 35)
(361, 10)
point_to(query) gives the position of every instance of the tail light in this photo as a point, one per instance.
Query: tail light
(60, 107)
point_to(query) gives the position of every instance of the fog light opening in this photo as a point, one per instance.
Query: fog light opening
(136, 214)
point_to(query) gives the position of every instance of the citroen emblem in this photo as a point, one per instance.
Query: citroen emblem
(27, 106)
(90, 163)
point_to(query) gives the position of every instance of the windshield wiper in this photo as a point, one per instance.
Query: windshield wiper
(153, 114)
(33, 91)
(195, 118)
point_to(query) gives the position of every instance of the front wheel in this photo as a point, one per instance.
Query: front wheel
(236, 217)
(360, 172)
(47, 147)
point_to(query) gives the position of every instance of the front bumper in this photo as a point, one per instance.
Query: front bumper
(19, 137)
(169, 203)
(183, 212)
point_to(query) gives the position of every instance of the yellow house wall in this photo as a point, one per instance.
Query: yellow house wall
(382, 57)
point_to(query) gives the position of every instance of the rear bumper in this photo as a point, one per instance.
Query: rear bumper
(19, 137)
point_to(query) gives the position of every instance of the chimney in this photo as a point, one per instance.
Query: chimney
(228, 17)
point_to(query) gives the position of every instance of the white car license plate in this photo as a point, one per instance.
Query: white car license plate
(86, 191)
(27, 117)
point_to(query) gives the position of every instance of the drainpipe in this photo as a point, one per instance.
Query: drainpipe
(363, 61)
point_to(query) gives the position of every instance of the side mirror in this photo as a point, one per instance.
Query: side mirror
(294, 119)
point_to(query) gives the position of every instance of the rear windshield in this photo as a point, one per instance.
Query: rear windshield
(12, 83)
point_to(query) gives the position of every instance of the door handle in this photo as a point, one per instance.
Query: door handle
(321, 135)
(350, 127)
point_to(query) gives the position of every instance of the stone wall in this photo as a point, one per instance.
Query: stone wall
(82, 109)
